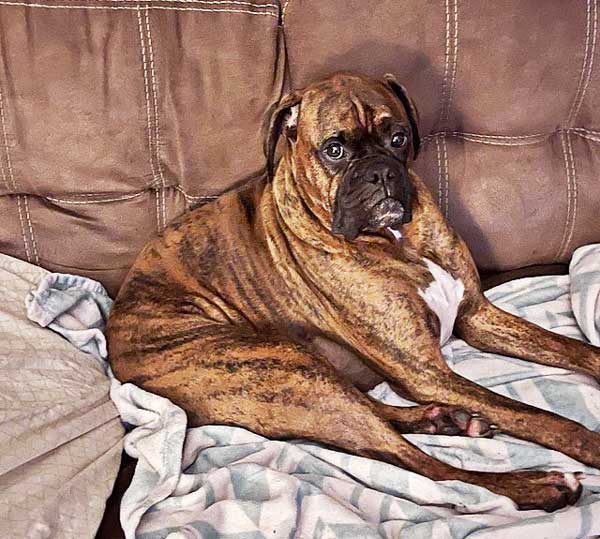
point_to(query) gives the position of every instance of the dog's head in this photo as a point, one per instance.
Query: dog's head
(352, 140)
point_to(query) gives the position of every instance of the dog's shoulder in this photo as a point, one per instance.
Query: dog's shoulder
(215, 237)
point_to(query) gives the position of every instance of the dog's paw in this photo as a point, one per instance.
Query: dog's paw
(537, 490)
(454, 421)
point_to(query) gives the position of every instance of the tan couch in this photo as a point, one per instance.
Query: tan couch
(118, 115)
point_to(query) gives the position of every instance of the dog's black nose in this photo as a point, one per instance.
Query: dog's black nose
(380, 174)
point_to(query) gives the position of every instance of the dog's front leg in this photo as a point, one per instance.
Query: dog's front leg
(441, 384)
(416, 365)
(480, 323)
(491, 329)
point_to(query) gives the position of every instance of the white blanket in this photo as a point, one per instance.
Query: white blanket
(225, 482)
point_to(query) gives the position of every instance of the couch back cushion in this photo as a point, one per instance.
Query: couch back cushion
(119, 115)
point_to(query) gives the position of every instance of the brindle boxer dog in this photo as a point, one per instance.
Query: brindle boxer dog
(233, 312)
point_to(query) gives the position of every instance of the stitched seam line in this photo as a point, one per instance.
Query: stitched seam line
(575, 103)
(195, 197)
(478, 135)
(586, 66)
(4, 176)
(450, 61)
(443, 116)
(31, 234)
(454, 61)
(2, 169)
(11, 174)
(499, 142)
(439, 164)
(148, 113)
(513, 140)
(13, 182)
(157, 205)
(99, 201)
(568, 173)
(591, 60)
(584, 80)
(448, 85)
(588, 137)
(22, 221)
(156, 120)
(257, 5)
(133, 8)
(284, 11)
(446, 177)
(584, 130)
(449, 104)
(574, 189)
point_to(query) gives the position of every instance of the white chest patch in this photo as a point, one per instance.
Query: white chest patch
(443, 296)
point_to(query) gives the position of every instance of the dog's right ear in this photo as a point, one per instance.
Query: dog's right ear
(281, 118)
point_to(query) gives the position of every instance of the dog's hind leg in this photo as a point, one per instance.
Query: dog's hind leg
(278, 389)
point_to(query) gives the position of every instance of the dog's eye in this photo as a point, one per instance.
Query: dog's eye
(399, 140)
(334, 150)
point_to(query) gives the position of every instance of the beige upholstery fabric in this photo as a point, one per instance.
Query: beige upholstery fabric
(117, 118)
(117, 115)
(60, 435)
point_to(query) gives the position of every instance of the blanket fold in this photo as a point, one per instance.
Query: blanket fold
(226, 482)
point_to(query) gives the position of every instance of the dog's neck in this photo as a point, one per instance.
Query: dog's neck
(306, 222)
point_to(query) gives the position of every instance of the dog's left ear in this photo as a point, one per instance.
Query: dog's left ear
(282, 118)
(409, 107)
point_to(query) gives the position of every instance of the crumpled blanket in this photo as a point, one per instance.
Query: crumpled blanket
(226, 482)
(75, 307)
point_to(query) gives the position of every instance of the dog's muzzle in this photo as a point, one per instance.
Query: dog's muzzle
(375, 193)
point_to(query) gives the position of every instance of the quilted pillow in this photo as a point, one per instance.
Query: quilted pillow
(60, 435)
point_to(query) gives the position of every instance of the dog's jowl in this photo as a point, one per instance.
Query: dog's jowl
(275, 306)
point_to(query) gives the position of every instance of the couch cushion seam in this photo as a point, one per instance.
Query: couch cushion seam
(161, 192)
(257, 5)
(574, 188)
(284, 12)
(514, 140)
(133, 8)
(439, 164)
(561, 245)
(13, 181)
(446, 177)
(588, 62)
(149, 119)
(22, 223)
(448, 86)
(100, 200)
(30, 226)
(566, 143)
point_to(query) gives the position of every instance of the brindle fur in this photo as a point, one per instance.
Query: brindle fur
(232, 313)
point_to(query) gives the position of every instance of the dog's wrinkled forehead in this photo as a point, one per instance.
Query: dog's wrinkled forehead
(346, 103)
